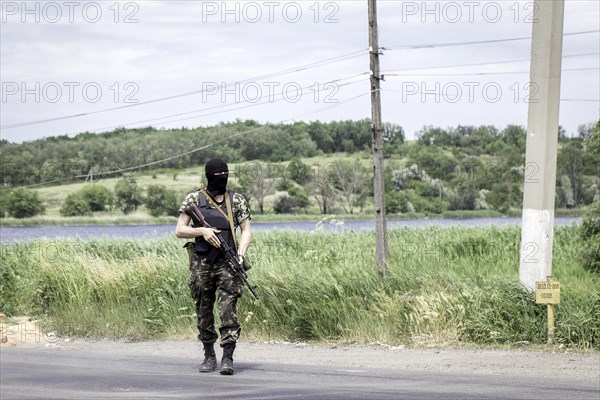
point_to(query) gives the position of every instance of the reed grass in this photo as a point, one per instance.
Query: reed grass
(444, 286)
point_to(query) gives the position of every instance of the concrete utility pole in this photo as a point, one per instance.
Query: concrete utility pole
(381, 247)
(537, 229)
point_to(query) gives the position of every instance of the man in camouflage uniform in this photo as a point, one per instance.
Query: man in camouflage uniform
(211, 276)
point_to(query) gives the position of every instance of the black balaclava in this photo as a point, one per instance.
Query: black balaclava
(216, 184)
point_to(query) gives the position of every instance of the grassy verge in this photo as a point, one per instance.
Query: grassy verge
(445, 286)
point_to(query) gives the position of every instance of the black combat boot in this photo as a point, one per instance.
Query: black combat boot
(227, 360)
(210, 358)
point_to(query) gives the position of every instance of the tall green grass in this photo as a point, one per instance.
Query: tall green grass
(443, 286)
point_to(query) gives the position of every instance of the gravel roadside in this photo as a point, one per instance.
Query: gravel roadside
(519, 363)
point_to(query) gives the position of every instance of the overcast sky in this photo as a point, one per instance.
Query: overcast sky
(107, 60)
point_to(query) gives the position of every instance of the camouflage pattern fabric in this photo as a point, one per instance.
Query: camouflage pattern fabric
(215, 282)
(209, 283)
(241, 211)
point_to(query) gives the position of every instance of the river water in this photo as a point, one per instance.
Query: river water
(23, 234)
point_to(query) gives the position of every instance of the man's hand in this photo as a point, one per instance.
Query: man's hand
(209, 234)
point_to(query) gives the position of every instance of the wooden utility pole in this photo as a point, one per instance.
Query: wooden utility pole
(542, 141)
(381, 247)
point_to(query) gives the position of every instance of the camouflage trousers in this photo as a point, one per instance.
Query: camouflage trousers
(215, 282)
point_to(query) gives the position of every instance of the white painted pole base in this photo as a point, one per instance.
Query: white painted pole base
(536, 246)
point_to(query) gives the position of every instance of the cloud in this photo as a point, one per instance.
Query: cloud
(176, 47)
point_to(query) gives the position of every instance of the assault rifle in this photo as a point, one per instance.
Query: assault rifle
(231, 256)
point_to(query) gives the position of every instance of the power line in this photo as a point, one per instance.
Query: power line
(219, 107)
(385, 73)
(435, 45)
(392, 72)
(244, 106)
(583, 100)
(491, 73)
(316, 64)
(571, 100)
(305, 67)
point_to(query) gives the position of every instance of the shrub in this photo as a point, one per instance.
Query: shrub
(75, 205)
(292, 201)
(161, 200)
(128, 194)
(298, 171)
(3, 196)
(396, 202)
(24, 203)
(284, 205)
(589, 233)
(98, 197)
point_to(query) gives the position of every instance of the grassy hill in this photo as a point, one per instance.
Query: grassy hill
(182, 181)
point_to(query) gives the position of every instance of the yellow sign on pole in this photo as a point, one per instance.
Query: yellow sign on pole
(547, 292)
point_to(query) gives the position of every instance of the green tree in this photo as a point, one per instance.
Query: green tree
(515, 137)
(393, 139)
(398, 201)
(98, 197)
(592, 145)
(585, 130)
(428, 135)
(3, 196)
(322, 188)
(24, 203)
(299, 197)
(562, 134)
(433, 159)
(75, 205)
(570, 165)
(392, 133)
(257, 180)
(589, 233)
(128, 194)
(161, 201)
(465, 194)
(352, 180)
(298, 171)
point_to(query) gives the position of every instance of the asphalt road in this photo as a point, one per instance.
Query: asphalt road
(79, 374)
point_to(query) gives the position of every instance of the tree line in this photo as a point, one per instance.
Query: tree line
(126, 197)
(461, 168)
(62, 158)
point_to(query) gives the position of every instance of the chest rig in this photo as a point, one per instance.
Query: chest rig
(216, 219)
